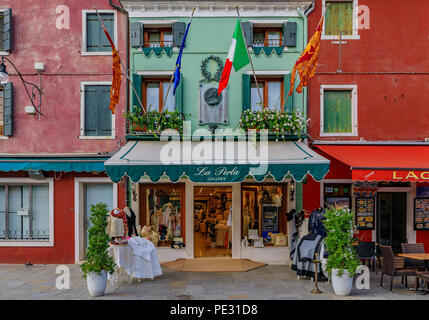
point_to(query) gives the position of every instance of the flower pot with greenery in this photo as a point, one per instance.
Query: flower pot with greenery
(342, 258)
(98, 262)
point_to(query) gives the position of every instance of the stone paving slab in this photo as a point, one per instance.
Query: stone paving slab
(273, 282)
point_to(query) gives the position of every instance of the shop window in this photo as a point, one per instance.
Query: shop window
(338, 195)
(267, 37)
(263, 211)
(154, 91)
(24, 212)
(95, 40)
(338, 111)
(155, 38)
(163, 210)
(272, 92)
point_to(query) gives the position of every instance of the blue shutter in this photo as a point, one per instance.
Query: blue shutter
(136, 34)
(248, 32)
(246, 92)
(8, 109)
(98, 117)
(289, 33)
(7, 30)
(96, 39)
(178, 29)
(289, 103)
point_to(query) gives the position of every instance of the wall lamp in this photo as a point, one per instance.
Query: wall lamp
(34, 92)
(292, 191)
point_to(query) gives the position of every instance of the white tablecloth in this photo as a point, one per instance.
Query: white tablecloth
(139, 259)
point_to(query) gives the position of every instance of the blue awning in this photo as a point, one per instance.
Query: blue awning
(48, 163)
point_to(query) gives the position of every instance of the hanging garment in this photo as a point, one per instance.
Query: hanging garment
(166, 215)
(297, 220)
(146, 262)
(316, 225)
(306, 249)
(117, 225)
(131, 222)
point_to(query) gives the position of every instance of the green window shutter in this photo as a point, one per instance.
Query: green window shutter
(98, 117)
(339, 17)
(289, 34)
(178, 29)
(109, 21)
(96, 39)
(7, 30)
(136, 30)
(337, 113)
(8, 109)
(178, 97)
(246, 92)
(289, 102)
(137, 83)
(248, 32)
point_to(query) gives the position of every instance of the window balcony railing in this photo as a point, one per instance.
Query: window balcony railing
(158, 44)
(272, 42)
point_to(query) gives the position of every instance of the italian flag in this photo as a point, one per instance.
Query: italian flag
(237, 57)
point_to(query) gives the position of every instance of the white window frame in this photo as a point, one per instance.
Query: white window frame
(354, 107)
(79, 210)
(33, 243)
(84, 33)
(4, 53)
(355, 35)
(82, 112)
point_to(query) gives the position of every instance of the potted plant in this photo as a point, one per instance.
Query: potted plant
(342, 259)
(98, 263)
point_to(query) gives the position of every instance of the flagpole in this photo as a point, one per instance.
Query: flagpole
(172, 76)
(287, 96)
(250, 58)
(122, 64)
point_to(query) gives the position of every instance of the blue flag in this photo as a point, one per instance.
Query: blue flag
(179, 61)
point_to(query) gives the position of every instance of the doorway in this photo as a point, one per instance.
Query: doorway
(392, 219)
(212, 222)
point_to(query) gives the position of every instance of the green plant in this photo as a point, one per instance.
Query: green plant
(275, 121)
(341, 253)
(153, 121)
(97, 258)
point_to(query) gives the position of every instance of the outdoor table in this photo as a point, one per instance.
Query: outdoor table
(417, 256)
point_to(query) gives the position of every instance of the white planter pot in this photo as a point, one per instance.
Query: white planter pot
(96, 283)
(342, 284)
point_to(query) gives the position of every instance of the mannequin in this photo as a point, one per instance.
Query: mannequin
(131, 221)
(117, 226)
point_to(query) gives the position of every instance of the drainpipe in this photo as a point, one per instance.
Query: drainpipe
(125, 12)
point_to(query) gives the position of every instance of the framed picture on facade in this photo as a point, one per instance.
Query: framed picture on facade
(365, 213)
(338, 202)
(421, 214)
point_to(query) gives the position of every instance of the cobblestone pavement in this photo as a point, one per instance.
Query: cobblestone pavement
(270, 282)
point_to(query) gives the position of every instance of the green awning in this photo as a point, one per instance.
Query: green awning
(232, 162)
(48, 163)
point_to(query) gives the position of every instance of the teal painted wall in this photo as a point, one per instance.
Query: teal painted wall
(212, 36)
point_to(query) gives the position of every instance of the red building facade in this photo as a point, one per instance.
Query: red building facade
(52, 157)
(370, 92)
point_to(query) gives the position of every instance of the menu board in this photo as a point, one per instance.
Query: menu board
(365, 209)
(421, 214)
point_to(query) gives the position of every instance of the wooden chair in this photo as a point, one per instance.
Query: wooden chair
(424, 276)
(394, 267)
(419, 265)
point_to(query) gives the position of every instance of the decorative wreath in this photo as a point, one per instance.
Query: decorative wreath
(208, 75)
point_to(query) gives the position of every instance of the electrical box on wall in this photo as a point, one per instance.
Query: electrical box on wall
(39, 66)
(30, 110)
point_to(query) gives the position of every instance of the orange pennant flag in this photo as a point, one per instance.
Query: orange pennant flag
(307, 61)
(116, 68)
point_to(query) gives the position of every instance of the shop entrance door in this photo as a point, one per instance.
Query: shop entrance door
(212, 232)
(391, 222)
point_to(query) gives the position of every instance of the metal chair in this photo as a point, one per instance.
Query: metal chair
(367, 252)
(394, 267)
